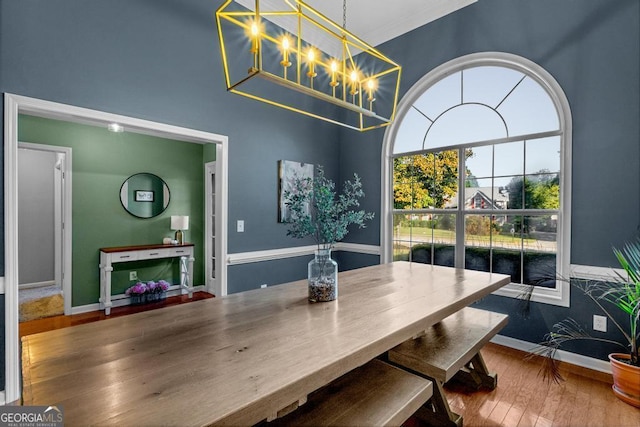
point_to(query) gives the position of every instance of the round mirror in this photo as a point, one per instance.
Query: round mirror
(144, 195)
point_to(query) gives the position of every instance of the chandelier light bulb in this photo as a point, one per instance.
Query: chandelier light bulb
(285, 52)
(354, 82)
(334, 70)
(255, 33)
(371, 87)
(311, 57)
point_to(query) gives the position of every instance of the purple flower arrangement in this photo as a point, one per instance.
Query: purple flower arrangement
(142, 288)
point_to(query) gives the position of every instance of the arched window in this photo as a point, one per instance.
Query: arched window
(477, 166)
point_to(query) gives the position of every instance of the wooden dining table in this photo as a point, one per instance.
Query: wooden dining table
(238, 359)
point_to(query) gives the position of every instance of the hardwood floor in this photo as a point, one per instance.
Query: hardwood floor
(57, 322)
(522, 398)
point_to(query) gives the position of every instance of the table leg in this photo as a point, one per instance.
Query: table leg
(105, 289)
(186, 274)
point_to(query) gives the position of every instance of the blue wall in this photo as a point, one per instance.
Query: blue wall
(159, 60)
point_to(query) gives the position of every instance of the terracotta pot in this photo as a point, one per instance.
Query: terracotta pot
(626, 379)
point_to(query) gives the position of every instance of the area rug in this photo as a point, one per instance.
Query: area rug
(42, 307)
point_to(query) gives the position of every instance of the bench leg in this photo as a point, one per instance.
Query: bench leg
(436, 412)
(476, 375)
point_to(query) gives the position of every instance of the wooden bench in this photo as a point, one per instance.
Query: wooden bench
(375, 394)
(447, 350)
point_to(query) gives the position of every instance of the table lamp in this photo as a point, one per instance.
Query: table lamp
(179, 223)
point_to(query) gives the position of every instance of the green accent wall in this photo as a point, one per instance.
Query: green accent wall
(101, 162)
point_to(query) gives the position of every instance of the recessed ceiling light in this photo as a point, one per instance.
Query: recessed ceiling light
(115, 127)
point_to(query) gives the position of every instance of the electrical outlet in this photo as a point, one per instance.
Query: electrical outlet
(599, 323)
(133, 275)
(240, 226)
(263, 286)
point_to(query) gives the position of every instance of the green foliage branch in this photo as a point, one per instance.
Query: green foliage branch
(317, 211)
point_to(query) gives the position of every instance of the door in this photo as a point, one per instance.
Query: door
(44, 286)
(211, 226)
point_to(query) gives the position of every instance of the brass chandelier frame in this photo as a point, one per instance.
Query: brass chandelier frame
(348, 86)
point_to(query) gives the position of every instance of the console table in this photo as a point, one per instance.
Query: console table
(110, 256)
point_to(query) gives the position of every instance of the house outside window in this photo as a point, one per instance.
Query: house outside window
(477, 170)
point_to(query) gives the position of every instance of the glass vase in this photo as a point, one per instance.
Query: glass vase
(323, 277)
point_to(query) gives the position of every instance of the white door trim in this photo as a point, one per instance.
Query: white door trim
(15, 105)
(213, 285)
(63, 247)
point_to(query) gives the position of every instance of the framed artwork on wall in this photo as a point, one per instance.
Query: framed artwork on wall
(144, 196)
(288, 172)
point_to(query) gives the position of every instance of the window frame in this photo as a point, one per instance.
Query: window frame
(555, 296)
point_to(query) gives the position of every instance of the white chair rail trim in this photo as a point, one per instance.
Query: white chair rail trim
(292, 252)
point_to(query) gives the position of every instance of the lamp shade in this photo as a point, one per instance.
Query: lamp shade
(179, 222)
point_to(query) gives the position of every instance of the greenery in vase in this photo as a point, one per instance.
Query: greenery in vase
(317, 211)
(621, 292)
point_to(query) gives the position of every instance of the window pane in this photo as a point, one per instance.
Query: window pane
(445, 186)
(477, 242)
(540, 233)
(539, 269)
(401, 250)
(440, 97)
(479, 163)
(507, 247)
(411, 132)
(529, 100)
(464, 124)
(543, 155)
(402, 182)
(508, 261)
(435, 240)
(509, 159)
(539, 261)
(510, 190)
(436, 179)
(489, 85)
(542, 191)
(401, 237)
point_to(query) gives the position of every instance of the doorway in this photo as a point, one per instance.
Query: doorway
(14, 105)
(44, 231)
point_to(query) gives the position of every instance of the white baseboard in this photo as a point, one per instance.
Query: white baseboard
(120, 301)
(564, 356)
(36, 284)
(282, 253)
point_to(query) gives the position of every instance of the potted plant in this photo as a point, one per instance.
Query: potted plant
(142, 292)
(317, 211)
(620, 292)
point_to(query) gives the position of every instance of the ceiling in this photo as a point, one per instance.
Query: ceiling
(375, 21)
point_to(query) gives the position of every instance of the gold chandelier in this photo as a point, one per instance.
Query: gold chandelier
(288, 44)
